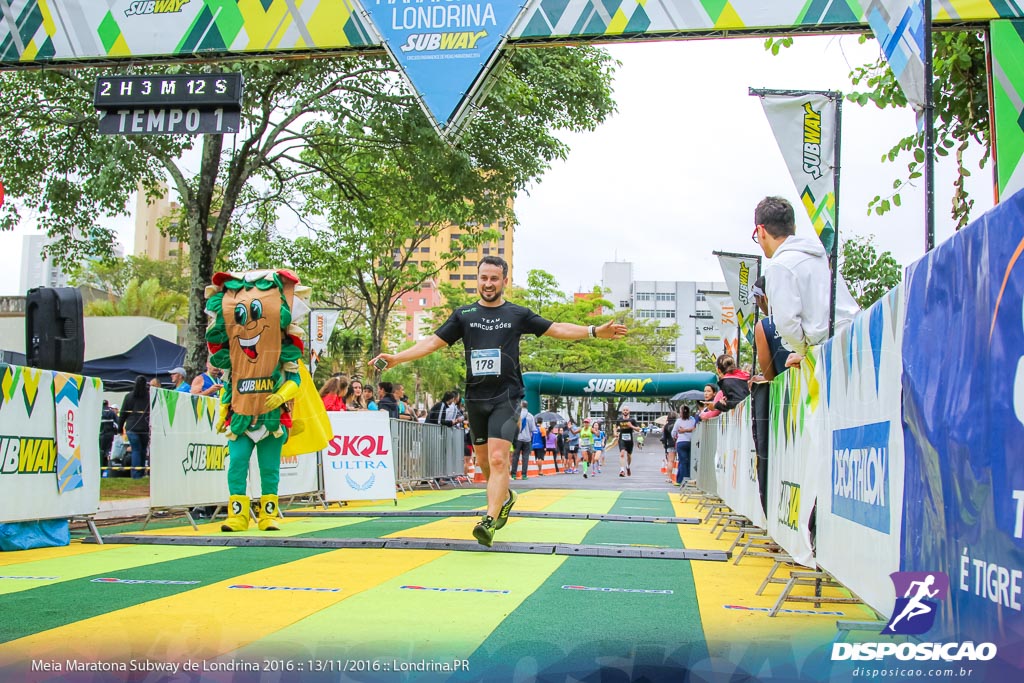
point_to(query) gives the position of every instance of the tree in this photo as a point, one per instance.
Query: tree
(870, 275)
(148, 299)
(961, 108)
(113, 276)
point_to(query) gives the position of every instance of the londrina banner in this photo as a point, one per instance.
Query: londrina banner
(443, 48)
(963, 414)
(724, 318)
(321, 326)
(740, 271)
(359, 463)
(805, 128)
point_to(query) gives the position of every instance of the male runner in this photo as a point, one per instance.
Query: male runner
(490, 330)
(626, 429)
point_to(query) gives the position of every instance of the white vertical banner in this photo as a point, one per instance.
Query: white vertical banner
(724, 317)
(702, 456)
(359, 462)
(740, 271)
(737, 485)
(805, 129)
(860, 493)
(710, 337)
(188, 456)
(321, 325)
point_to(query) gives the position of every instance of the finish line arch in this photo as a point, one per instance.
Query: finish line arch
(650, 384)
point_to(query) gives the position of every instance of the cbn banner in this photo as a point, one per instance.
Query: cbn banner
(359, 463)
(860, 500)
(724, 318)
(740, 271)
(29, 484)
(321, 325)
(799, 424)
(963, 414)
(737, 476)
(188, 456)
(805, 128)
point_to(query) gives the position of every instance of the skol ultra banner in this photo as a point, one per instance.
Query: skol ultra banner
(737, 475)
(723, 315)
(321, 325)
(740, 271)
(29, 483)
(963, 424)
(805, 128)
(1007, 41)
(359, 462)
(860, 500)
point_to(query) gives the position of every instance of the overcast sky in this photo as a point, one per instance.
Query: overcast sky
(676, 173)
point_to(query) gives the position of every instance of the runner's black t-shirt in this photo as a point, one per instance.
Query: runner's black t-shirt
(626, 427)
(491, 337)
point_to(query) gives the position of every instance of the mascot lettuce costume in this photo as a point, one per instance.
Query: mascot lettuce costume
(252, 338)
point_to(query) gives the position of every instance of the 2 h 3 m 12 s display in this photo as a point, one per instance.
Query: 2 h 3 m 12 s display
(178, 104)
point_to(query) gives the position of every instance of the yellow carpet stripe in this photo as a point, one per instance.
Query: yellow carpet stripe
(38, 554)
(212, 620)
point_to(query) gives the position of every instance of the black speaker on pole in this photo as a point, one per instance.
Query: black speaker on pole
(54, 329)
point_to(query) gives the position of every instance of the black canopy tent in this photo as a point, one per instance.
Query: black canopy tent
(151, 357)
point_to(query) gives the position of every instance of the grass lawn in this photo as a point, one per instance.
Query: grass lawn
(123, 487)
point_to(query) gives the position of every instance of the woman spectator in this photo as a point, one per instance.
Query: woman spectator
(683, 432)
(669, 442)
(537, 444)
(333, 393)
(134, 421)
(712, 395)
(733, 383)
(354, 396)
(551, 443)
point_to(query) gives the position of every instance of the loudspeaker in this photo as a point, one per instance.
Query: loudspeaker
(54, 329)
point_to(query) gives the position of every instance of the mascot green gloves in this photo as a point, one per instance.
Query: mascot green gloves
(252, 338)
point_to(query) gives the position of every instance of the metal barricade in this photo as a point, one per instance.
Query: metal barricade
(426, 453)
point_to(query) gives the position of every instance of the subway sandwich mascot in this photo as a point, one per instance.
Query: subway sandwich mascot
(268, 402)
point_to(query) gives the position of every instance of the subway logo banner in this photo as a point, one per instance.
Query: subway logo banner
(46, 473)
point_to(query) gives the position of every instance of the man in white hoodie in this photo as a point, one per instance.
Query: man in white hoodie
(798, 280)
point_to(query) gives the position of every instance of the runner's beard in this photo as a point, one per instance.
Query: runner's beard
(494, 296)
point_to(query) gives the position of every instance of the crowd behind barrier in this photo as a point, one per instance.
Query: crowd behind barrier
(896, 445)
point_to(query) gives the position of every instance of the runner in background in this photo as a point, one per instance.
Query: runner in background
(626, 429)
(599, 438)
(586, 446)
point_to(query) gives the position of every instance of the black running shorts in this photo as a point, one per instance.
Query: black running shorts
(496, 418)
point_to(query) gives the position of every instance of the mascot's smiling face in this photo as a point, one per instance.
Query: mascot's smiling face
(252, 319)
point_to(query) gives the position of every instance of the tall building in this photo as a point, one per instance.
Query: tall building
(464, 274)
(37, 271)
(149, 241)
(670, 302)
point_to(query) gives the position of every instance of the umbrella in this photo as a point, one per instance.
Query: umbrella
(661, 420)
(691, 395)
(547, 417)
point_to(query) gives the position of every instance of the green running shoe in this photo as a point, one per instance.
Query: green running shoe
(483, 532)
(505, 509)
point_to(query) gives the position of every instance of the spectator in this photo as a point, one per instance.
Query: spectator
(134, 421)
(537, 443)
(155, 383)
(404, 412)
(370, 396)
(207, 383)
(108, 428)
(179, 380)
(732, 381)
(388, 402)
(669, 442)
(438, 414)
(332, 393)
(524, 440)
(682, 431)
(454, 413)
(551, 443)
(421, 415)
(712, 395)
(572, 447)
(798, 280)
(354, 396)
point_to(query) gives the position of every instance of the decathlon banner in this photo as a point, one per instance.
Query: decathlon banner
(737, 477)
(860, 499)
(321, 325)
(740, 271)
(898, 26)
(188, 456)
(805, 129)
(444, 49)
(359, 463)
(799, 428)
(723, 315)
(29, 484)
(963, 414)
(298, 475)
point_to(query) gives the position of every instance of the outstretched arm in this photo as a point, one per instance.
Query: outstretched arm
(421, 348)
(610, 330)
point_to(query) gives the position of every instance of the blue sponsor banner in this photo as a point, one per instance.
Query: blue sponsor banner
(442, 46)
(860, 475)
(963, 411)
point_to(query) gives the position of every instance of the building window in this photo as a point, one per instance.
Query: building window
(469, 264)
(423, 302)
(665, 296)
(486, 250)
(174, 239)
(644, 296)
(469, 277)
(701, 297)
(456, 276)
(424, 250)
(172, 252)
(470, 290)
(501, 250)
(623, 304)
(456, 236)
